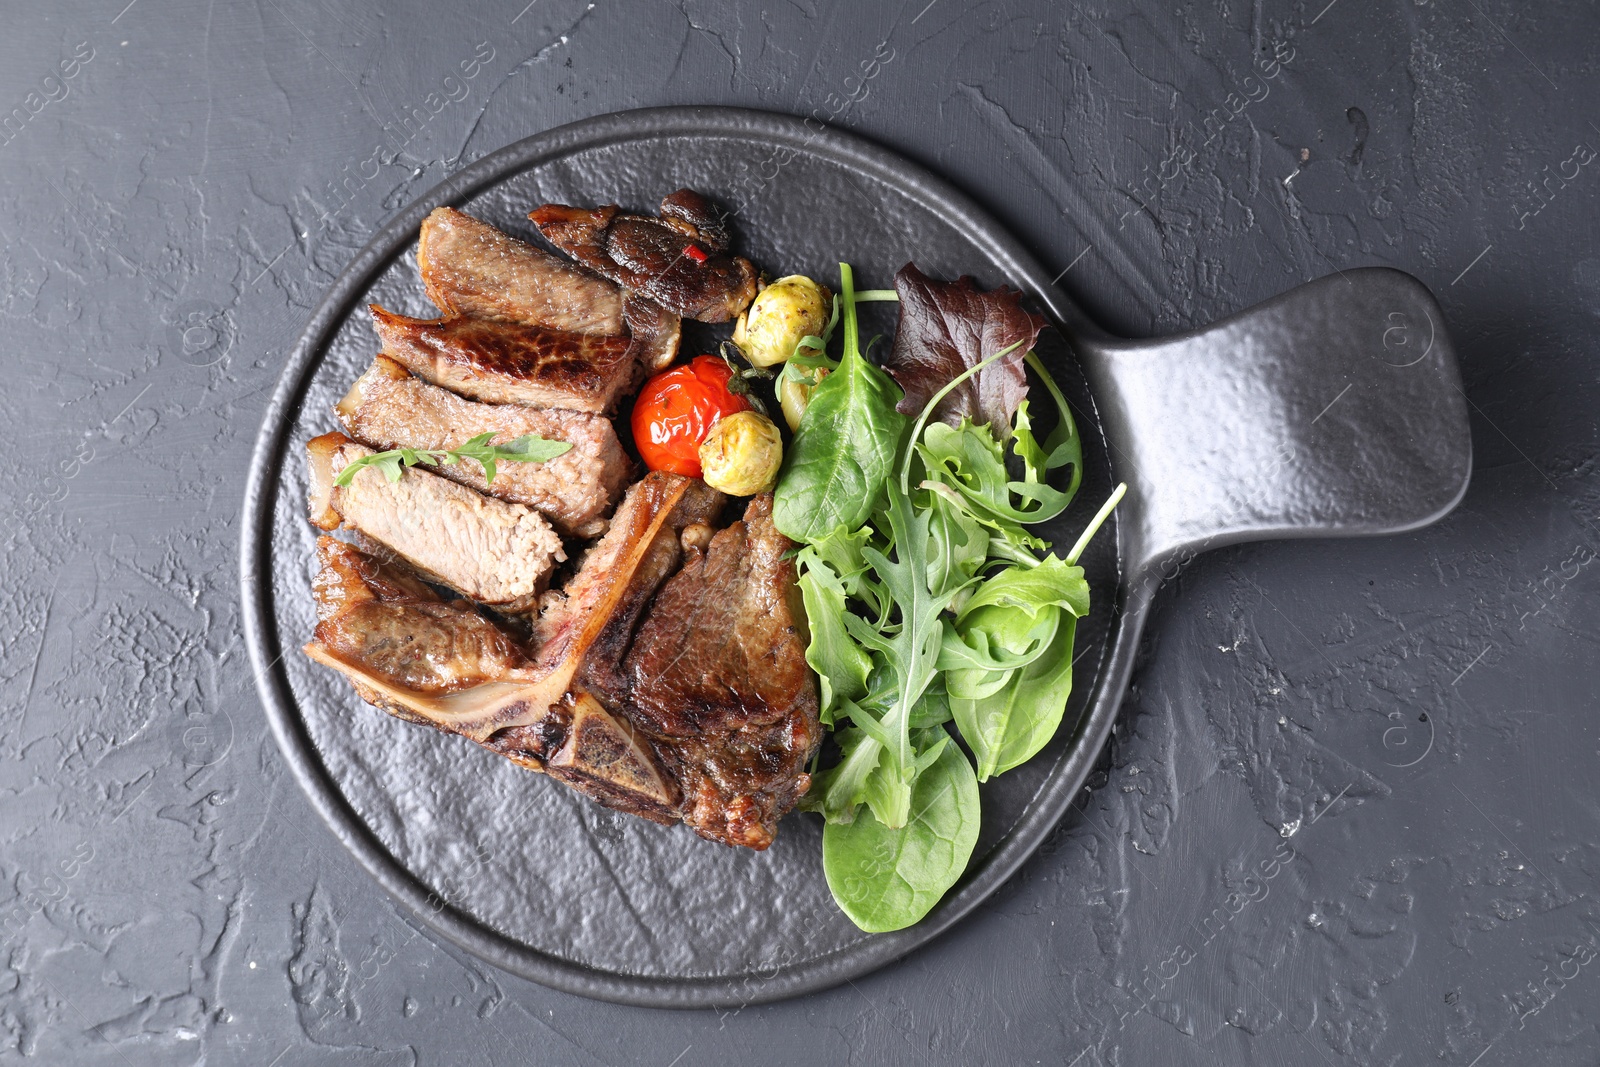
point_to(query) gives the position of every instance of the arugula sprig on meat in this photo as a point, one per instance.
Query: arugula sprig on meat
(529, 448)
(929, 600)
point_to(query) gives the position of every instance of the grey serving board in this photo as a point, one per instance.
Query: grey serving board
(1334, 409)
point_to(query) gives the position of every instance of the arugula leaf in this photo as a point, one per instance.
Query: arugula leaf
(837, 792)
(1053, 582)
(1062, 447)
(949, 327)
(958, 543)
(529, 448)
(845, 447)
(969, 460)
(888, 878)
(842, 665)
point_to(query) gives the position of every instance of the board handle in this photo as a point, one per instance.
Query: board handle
(1335, 409)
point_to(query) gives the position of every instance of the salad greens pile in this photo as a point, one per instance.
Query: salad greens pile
(929, 600)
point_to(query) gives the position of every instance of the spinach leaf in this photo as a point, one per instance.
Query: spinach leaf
(887, 879)
(1008, 728)
(1052, 582)
(1002, 680)
(979, 657)
(845, 448)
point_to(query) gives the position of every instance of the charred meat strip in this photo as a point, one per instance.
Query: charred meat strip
(470, 268)
(388, 408)
(720, 685)
(666, 260)
(442, 664)
(498, 553)
(510, 363)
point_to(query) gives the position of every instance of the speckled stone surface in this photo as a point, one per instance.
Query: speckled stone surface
(1348, 814)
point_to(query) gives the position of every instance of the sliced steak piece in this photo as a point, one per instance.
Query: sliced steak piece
(583, 634)
(398, 629)
(720, 684)
(470, 268)
(511, 363)
(442, 664)
(388, 408)
(498, 553)
(669, 260)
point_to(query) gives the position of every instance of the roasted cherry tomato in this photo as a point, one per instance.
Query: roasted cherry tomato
(677, 408)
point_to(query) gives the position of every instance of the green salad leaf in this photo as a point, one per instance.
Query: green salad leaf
(889, 878)
(930, 600)
(1008, 727)
(845, 447)
(909, 649)
(841, 664)
(529, 448)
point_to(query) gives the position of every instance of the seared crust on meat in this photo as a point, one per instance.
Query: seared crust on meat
(655, 331)
(511, 363)
(376, 614)
(387, 408)
(442, 664)
(720, 684)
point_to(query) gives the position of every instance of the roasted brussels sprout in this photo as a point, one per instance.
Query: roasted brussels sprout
(794, 390)
(742, 453)
(781, 315)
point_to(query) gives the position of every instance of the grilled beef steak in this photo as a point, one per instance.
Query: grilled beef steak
(388, 408)
(704, 711)
(498, 553)
(509, 363)
(668, 678)
(444, 665)
(668, 260)
(470, 268)
(719, 682)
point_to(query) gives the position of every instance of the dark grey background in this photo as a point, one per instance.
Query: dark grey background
(1407, 722)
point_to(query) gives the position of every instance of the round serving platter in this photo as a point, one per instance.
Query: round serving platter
(522, 871)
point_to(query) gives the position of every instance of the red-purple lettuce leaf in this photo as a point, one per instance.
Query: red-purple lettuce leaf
(948, 327)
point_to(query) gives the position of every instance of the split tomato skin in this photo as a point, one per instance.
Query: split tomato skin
(676, 410)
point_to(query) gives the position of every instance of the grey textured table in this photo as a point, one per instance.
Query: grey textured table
(1349, 813)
